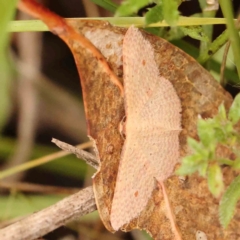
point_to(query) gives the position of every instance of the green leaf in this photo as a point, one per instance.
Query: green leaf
(229, 201)
(215, 179)
(229, 129)
(220, 135)
(158, 31)
(236, 164)
(170, 11)
(173, 33)
(198, 149)
(106, 4)
(130, 7)
(195, 32)
(190, 164)
(215, 130)
(203, 169)
(202, 3)
(154, 15)
(222, 112)
(206, 131)
(225, 161)
(194, 145)
(234, 112)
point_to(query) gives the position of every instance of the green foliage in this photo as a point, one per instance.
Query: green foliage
(203, 4)
(234, 112)
(215, 179)
(236, 164)
(229, 202)
(66, 166)
(17, 204)
(227, 9)
(7, 11)
(196, 161)
(170, 11)
(154, 14)
(204, 160)
(106, 4)
(195, 32)
(131, 7)
(164, 10)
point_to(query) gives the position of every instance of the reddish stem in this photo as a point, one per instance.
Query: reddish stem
(59, 26)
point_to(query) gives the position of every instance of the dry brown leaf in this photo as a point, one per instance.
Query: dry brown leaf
(200, 94)
(194, 207)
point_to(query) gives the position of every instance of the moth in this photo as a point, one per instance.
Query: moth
(152, 127)
(100, 70)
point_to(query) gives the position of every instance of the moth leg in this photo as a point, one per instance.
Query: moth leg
(170, 213)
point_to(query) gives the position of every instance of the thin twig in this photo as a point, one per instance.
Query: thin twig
(40, 223)
(223, 65)
(86, 156)
(38, 161)
(59, 214)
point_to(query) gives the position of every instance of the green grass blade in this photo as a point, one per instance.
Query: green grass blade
(66, 166)
(37, 25)
(7, 11)
(227, 9)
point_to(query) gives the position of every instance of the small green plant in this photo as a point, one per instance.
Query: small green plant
(215, 132)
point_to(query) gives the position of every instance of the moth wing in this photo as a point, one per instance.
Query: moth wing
(139, 71)
(153, 155)
(151, 147)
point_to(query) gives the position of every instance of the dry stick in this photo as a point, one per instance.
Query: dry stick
(224, 62)
(89, 158)
(40, 223)
(48, 219)
(7, 222)
(59, 26)
(86, 156)
(38, 161)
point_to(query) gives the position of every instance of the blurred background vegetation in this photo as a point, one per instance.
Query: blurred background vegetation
(40, 98)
